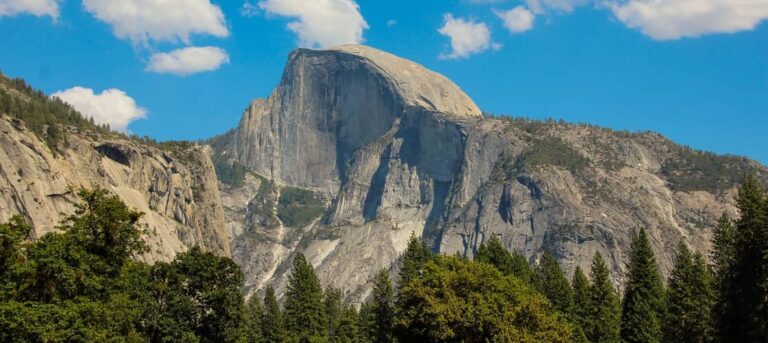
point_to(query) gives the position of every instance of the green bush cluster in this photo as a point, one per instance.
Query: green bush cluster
(298, 207)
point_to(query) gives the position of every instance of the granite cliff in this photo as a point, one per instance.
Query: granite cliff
(357, 149)
(173, 184)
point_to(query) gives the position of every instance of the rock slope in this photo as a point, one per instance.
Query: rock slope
(386, 149)
(176, 188)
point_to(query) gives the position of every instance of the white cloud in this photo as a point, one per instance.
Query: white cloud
(517, 20)
(563, 6)
(467, 37)
(112, 106)
(167, 20)
(320, 23)
(188, 60)
(391, 22)
(673, 19)
(249, 9)
(35, 7)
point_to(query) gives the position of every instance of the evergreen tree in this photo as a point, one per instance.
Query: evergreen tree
(254, 314)
(383, 308)
(746, 316)
(689, 299)
(366, 326)
(643, 296)
(550, 281)
(347, 330)
(272, 326)
(722, 257)
(581, 298)
(493, 253)
(305, 318)
(603, 323)
(416, 255)
(333, 311)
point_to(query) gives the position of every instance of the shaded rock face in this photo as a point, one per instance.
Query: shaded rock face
(397, 150)
(176, 190)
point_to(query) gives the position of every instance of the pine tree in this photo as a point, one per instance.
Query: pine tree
(347, 330)
(366, 326)
(493, 253)
(643, 296)
(603, 323)
(383, 310)
(581, 297)
(272, 326)
(722, 257)
(254, 314)
(333, 311)
(416, 255)
(550, 281)
(747, 311)
(304, 314)
(689, 299)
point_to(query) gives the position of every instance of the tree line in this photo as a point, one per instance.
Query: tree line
(83, 285)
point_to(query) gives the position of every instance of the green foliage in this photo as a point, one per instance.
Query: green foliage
(514, 263)
(416, 255)
(457, 300)
(229, 171)
(582, 299)
(253, 316)
(304, 315)
(692, 170)
(745, 317)
(550, 281)
(689, 299)
(643, 296)
(603, 322)
(552, 151)
(41, 114)
(382, 309)
(273, 327)
(298, 207)
(723, 258)
(81, 285)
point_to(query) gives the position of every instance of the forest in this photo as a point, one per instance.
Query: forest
(83, 283)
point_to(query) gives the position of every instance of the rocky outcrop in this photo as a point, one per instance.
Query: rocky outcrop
(395, 149)
(176, 188)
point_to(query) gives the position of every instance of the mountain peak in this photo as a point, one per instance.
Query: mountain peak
(415, 84)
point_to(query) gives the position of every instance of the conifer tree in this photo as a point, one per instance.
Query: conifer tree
(416, 255)
(550, 281)
(304, 314)
(603, 323)
(514, 263)
(272, 326)
(689, 299)
(581, 297)
(383, 308)
(722, 257)
(643, 296)
(747, 311)
(347, 330)
(254, 314)
(333, 311)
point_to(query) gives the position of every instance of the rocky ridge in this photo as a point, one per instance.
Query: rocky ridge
(390, 149)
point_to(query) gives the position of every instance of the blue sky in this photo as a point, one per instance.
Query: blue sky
(693, 70)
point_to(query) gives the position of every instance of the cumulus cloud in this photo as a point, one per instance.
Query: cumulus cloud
(320, 23)
(112, 106)
(673, 19)
(167, 20)
(467, 37)
(517, 20)
(35, 7)
(188, 60)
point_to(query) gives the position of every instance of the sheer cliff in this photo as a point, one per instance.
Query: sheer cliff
(357, 149)
(48, 152)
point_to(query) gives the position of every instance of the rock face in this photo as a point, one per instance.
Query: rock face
(175, 188)
(393, 149)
